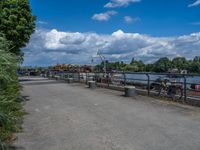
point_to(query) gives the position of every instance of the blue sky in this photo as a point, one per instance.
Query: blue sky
(158, 17)
(115, 25)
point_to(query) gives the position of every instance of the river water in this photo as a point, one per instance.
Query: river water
(139, 77)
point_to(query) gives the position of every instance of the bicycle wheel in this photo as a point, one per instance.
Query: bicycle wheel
(176, 93)
(161, 92)
(180, 92)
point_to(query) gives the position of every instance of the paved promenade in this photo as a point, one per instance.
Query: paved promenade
(65, 116)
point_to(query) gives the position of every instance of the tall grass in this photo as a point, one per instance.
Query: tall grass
(10, 107)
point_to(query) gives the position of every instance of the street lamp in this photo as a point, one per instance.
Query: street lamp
(103, 58)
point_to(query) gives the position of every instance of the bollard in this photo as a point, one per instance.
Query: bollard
(129, 91)
(89, 79)
(92, 84)
(70, 80)
(56, 77)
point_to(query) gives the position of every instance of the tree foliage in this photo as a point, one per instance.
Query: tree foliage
(137, 65)
(180, 63)
(16, 22)
(162, 65)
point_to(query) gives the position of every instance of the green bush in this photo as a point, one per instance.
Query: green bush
(10, 108)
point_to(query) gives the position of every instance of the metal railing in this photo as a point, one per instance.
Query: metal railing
(190, 83)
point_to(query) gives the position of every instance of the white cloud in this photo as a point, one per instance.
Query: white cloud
(120, 3)
(51, 47)
(129, 19)
(196, 23)
(42, 22)
(196, 3)
(104, 16)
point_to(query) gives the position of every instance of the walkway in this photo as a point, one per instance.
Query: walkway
(73, 117)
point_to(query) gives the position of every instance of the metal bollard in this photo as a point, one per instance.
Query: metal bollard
(130, 91)
(92, 84)
(70, 80)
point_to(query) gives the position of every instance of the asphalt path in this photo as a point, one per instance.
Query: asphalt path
(65, 116)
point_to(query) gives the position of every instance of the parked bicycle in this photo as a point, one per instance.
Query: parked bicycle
(167, 88)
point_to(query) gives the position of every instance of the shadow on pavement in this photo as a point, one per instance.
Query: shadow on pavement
(16, 148)
(31, 79)
(41, 83)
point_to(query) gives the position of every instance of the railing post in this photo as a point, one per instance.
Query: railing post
(86, 78)
(79, 78)
(101, 79)
(95, 76)
(108, 79)
(124, 78)
(185, 89)
(148, 84)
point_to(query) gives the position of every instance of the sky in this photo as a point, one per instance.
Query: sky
(72, 31)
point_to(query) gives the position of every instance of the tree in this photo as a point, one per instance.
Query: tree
(133, 60)
(130, 68)
(180, 63)
(17, 23)
(196, 59)
(162, 65)
(194, 65)
(138, 65)
(149, 67)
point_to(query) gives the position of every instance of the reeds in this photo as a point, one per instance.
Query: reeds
(10, 108)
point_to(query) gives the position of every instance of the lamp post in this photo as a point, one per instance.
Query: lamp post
(103, 58)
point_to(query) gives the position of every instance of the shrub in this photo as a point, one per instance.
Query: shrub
(10, 107)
